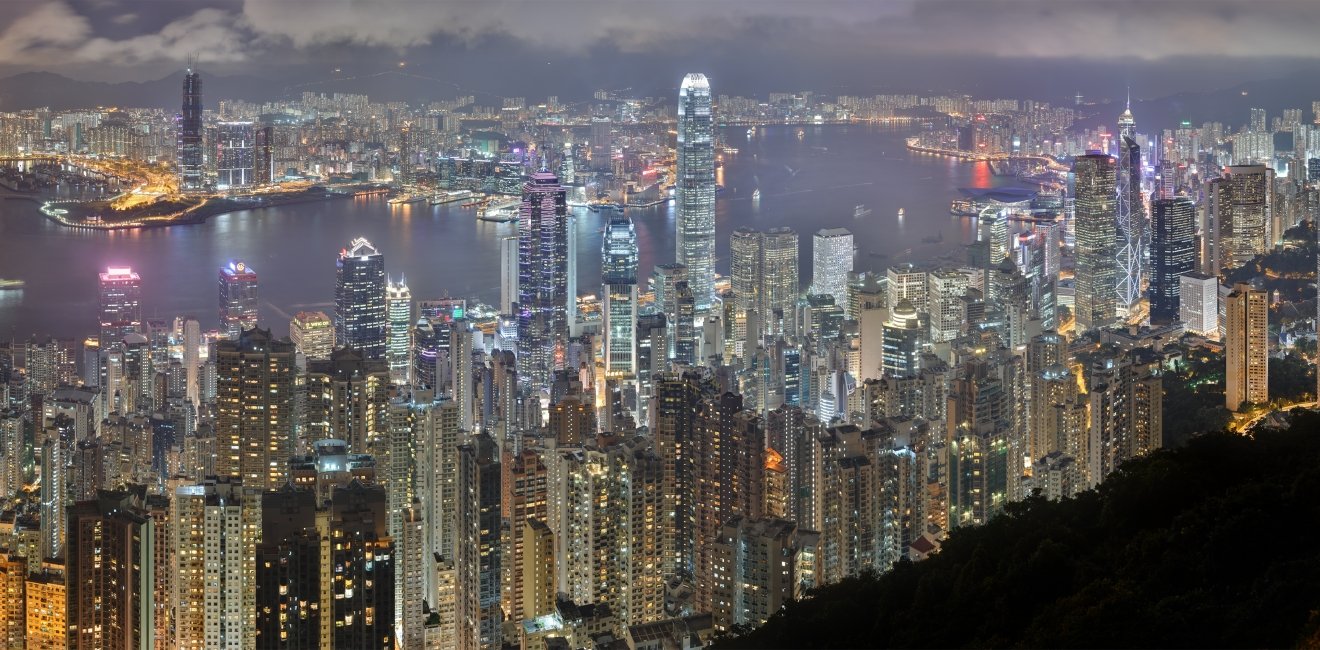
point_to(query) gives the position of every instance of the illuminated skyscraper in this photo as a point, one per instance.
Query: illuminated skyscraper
(215, 528)
(398, 306)
(238, 298)
(619, 271)
(313, 334)
(745, 267)
(360, 317)
(121, 305)
(542, 277)
(1239, 217)
(1172, 254)
(694, 189)
(1096, 219)
(190, 158)
(110, 555)
(235, 155)
(508, 274)
(779, 279)
(1247, 348)
(254, 409)
(832, 261)
(1131, 214)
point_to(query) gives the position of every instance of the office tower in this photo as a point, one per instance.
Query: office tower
(289, 592)
(694, 188)
(110, 556)
(745, 275)
(619, 268)
(121, 305)
(460, 380)
(360, 317)
(399, 319)
(832, 261)
(254, 409)
(684, 325)
(216, 525)
(238, 298)
(1239, 217)
(190, 148)
(907, 282)
(758, 566)
(1172, 254)
(1131, 214)
(1198, 304)
(477, 544)
(508, 274)
(1246, 348)
(263, 172)
(779, 279)
(904, 341)
(313, 334)
(665, 279)
(543, 298)
(47, 605)
(347, 399)
(948, 316)
(1096, 217)
(235, 155)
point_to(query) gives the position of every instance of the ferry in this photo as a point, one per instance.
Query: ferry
(756, 194)
(900, 213)
(861, 211)
(11, 284)
(450, 197)
(404, 199)
(502, 213)
(751, 132)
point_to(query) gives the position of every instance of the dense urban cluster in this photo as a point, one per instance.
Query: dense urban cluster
(676, 458)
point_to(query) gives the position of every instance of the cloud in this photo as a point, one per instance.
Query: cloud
(47, 26)
(211, 35)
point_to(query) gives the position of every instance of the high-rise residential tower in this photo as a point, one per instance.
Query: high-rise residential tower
(1172, 254)
(1096, 220)
(190, 151)
(694, 188)
(121, 305)
(1246, 348)
(238, 298)
(360, 316)
(254, 409)
(235, 155)
(619, 271)
(832, 261)
(399, 310)
(542, 277)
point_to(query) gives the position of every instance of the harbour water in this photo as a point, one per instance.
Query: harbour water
(806, 183)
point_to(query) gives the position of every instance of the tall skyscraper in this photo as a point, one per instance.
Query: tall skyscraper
(111, 556)
(1198, 304)
(238, 298)
(1131, 214)
(779, 279)
(508, 274)
(360, 316)
(694, 188)
(190, 148)
(1096, 219)
(832, 261)
(254, 409)
(215, 527)
(264, 140)
(542, 277)
(1172, 254)
(745, 246)
(312, 334)
(1247, 348)
(235, 155)
(619, 271)
(399, 310)
(1239, 217)
(121, 305)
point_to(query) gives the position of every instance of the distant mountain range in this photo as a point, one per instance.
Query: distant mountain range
(38, 89)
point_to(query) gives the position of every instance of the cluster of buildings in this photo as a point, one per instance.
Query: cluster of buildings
(411, 473)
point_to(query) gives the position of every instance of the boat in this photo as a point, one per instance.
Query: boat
(502, 213)
(450, 197)
(900, 213)
(801, 134)
(751, 132)
(404, 199)
(861, 211)
(756, 194)
(11, 284)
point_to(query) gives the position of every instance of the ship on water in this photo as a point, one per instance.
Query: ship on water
(7, 284)
(404, 199)
(861, 211)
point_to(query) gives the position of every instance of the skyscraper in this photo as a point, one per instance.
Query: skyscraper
(542, 277)
(779, 278)
(1131, 214)
(238, 298)
(1172, 254)
(254, 409)
(508, 274)
(1239, 217)
(831, 262)
(235, 155)
(1096, 222)
(190, 156)
(745, 245)
(619, 271)
(312, 334)
(1247, 348)
(694, 188)
(360, 317)
(110, 555)
(1198, 304)
(398, 307)
(121, 305)
(215, 527)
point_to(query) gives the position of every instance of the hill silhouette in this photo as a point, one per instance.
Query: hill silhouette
(1209, 545)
